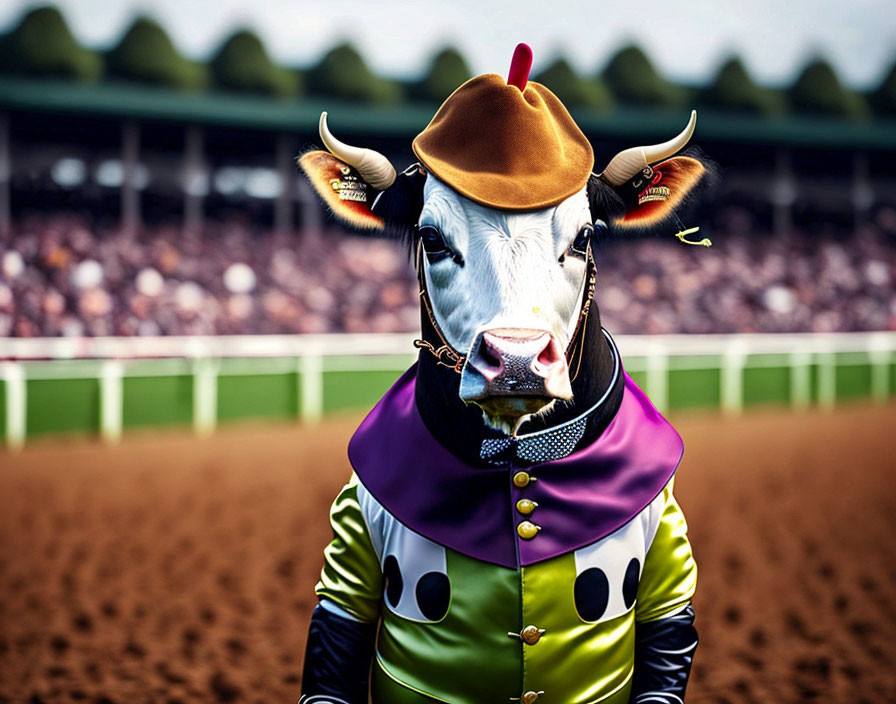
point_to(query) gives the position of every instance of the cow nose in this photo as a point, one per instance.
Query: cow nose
(521, 362)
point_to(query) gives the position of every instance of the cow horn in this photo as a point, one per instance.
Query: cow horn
(374, 168)
(629, 162)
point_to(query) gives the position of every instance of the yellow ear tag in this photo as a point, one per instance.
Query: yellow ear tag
(705, 242)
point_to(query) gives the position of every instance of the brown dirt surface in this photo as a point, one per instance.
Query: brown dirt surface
(173, 569)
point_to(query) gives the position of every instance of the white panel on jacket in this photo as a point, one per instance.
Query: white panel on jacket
(609, 570)
(414, 567)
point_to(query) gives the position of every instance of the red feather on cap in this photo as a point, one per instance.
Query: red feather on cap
(520, 65)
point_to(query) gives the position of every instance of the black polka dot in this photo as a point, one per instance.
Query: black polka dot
(630, 583)
(592, 594)
(394, 582)
(433, 595)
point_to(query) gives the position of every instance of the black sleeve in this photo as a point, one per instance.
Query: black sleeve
(664, 651)
(337, 659)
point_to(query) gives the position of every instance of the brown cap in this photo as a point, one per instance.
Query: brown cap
(506, 148)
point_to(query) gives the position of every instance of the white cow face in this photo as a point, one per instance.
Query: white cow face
(506, 290)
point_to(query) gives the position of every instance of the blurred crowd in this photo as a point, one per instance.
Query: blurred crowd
(60, 276)
(63, 275)
(821, 278)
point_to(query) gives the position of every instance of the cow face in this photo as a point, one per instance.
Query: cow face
(506, 289)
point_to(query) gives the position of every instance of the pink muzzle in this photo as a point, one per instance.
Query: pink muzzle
(516, 362)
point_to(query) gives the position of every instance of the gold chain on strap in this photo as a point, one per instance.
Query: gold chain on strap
(445, 354)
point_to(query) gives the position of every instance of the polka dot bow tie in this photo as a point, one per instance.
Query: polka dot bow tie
(543, 446)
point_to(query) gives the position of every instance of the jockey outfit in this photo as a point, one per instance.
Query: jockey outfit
(524, 579)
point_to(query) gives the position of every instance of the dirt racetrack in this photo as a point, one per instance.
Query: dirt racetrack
(169, 569)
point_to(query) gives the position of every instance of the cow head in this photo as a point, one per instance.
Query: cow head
(503, 251)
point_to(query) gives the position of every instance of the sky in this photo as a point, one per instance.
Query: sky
(687, 39)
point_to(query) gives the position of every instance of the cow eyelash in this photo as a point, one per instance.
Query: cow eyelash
(435, 247)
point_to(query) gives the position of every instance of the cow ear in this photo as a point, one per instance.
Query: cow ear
(654, 193)
(348, 196)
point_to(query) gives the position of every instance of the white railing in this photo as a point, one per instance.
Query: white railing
(220, 346)
(111, 359)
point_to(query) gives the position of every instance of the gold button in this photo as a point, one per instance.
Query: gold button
(527, 530)
(531, 634)
(525, 507)
(530, 697)
(521, 479)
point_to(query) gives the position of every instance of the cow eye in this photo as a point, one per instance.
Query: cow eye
(432, 239)
(435, 247)
(579, 245)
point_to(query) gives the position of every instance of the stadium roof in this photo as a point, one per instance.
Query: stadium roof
(111, 100)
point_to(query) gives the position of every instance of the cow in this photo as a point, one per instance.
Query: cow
(509, 531)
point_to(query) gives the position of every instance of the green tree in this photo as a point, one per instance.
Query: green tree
(733, 89)
(817, 90)
(447, 70)
(242, 64)
(342, 73)
(633, 79)
(42, 45)
(572, 89)
(883, 99)
(145, 54)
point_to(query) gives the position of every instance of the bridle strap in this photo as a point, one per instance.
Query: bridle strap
(447, 356)
(576, 344)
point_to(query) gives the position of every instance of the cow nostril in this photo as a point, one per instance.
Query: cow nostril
(489, 354)
(548, 355)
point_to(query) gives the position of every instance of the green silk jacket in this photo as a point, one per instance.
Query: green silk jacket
(460, 630)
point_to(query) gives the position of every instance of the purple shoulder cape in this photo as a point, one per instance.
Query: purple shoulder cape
(581, 498)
